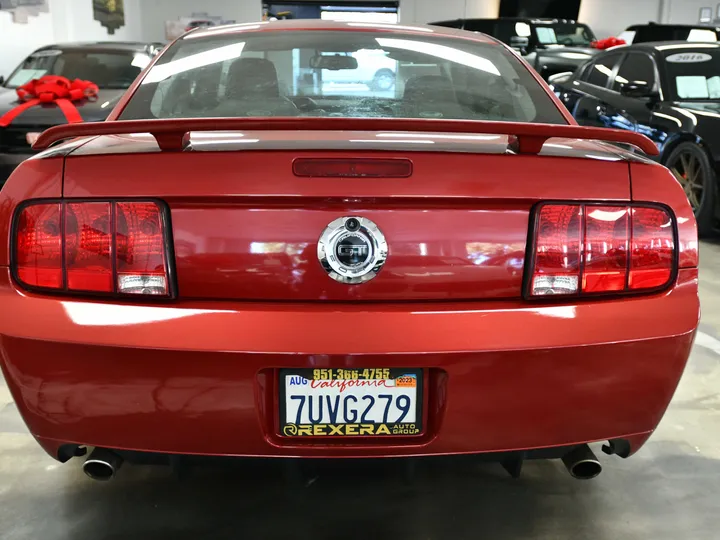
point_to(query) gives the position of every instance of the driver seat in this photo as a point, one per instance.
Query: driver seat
(253, 90)
(431, 96)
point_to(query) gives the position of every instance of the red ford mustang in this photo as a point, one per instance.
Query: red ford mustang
(246, 260)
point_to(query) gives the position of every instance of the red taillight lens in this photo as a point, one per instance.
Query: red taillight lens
(140, 249)
(88, 247)
(557, 250)
(109, 247)
(588, 249)
(606, 241)
(653, 248)
(38, 246)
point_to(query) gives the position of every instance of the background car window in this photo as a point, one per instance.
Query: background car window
(693, 73)
(637, 68)
(564, 34)
(332, 74)
(601, 70)
(106, 69)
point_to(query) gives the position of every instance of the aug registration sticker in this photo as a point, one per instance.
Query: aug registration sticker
(350, 402)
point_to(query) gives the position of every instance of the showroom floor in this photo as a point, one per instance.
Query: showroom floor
(669, 490)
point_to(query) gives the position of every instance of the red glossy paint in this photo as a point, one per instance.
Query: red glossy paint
(196, 377)
(199, 374)
(458, 224)
(171, 135)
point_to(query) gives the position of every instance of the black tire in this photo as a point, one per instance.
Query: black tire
(693, 169)
(383, 80)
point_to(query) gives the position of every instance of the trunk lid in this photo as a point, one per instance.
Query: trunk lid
(246, 227)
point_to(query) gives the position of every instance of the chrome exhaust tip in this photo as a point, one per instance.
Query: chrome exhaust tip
(102, 464)
(582, 463)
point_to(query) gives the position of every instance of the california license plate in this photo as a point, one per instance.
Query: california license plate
(350, 402)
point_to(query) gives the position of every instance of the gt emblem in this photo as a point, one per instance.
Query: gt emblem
(352, 250)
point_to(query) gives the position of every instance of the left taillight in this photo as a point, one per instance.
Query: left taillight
(100, 247)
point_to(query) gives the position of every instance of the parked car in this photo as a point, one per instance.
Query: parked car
(113, 66)
(669, 91)
(549, 45)
(652, 32)
(374, 69)
(221, 269)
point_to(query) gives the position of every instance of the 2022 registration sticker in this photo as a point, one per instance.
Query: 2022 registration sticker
(361, 402)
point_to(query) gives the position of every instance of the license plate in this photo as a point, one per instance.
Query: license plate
(350, 402)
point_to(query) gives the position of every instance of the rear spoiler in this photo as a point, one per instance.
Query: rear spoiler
(172, 134)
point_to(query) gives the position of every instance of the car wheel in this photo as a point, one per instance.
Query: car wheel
(383, 81)
(691, 166)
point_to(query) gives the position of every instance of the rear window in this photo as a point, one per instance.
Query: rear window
(571, 34)
(340, 74)
(693, 73)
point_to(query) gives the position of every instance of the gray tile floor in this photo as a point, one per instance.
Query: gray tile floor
(669, 490)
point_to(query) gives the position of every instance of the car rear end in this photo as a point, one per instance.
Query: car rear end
(341, 291)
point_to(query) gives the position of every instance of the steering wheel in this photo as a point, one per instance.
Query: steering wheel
(567, 41)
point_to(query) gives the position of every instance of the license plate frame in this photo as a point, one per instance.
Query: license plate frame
(289, 430)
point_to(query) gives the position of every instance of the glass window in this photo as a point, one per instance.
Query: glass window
(107, 69)
(637, 68)
(693, 72)
(340, 74)
(601, 70)
(564, 34)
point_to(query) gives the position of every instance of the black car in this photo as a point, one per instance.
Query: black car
(112, 66)
(551, 46)
(650, 32)
(668, 91)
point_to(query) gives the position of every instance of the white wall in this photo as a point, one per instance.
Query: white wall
(425, 11)
(154, 13)
(688, 11)
(74, 22)
(67, 20)
(17, 40)
(610, 17)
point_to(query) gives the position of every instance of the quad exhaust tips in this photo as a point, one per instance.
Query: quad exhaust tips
(102, 464)
(582, 463)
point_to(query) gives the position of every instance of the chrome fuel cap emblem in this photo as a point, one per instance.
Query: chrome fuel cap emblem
(352, 250)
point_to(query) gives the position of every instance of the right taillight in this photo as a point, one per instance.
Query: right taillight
(587, 249)
(101, 247)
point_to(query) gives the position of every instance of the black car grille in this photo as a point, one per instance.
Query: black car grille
(13, 140)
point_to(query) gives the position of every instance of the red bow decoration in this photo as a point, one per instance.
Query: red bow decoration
(52, 89)
(606, 43)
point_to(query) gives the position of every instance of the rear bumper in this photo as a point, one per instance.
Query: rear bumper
(200, 378)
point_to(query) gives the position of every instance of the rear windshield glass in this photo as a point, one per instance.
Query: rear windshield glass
(106, 69)
(564, 34)
(694, 73)
(339, 74)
